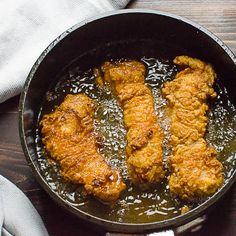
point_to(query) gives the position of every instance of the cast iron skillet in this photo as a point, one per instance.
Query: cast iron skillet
(122, 34)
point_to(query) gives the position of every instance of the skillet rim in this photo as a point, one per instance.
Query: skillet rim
(111, 225)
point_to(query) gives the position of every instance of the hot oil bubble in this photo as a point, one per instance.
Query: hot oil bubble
(222, 129)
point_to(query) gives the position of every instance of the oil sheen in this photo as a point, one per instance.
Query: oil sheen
(134, 205)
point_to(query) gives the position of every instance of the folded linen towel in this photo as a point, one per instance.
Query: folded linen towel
(28, 27)
(18, 217)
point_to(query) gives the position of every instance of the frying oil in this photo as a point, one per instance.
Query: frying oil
(134, 205)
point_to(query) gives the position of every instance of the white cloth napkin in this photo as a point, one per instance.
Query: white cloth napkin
(18, 217)
(28, 26)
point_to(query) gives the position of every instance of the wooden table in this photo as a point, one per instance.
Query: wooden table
(219, 17)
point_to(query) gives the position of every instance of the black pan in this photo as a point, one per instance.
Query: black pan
(122, 34)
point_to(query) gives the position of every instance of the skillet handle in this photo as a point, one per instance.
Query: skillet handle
(163, 233)
(192, 226)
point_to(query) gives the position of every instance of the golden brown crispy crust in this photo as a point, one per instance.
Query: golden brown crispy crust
(195, 170)
(144, 136)
(68, 136)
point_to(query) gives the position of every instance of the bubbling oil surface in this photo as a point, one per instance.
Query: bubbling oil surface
(134, 205)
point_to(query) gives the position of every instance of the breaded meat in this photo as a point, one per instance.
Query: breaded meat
(144, 135)
(69, 138)
(195, 170)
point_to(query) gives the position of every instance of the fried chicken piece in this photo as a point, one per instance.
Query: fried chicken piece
(68, 135)
(195, 170)
(144, 136)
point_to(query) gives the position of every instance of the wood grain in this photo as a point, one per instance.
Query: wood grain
(217, 16)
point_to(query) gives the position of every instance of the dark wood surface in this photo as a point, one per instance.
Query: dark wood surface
(219, 17)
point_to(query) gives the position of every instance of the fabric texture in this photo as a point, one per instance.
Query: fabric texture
(18, 217)
(29, 26)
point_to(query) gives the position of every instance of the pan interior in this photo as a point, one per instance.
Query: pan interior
(135, 205)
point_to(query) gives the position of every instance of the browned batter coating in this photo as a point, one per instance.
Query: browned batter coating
(195, 170)
(68, 135)
(144, 136)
